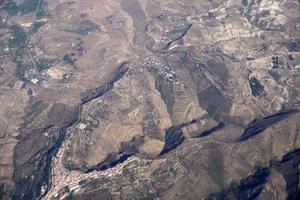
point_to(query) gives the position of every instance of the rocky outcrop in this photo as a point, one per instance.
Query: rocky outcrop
(260, 125)
(252, 186)
(173, 138)
(99, 91)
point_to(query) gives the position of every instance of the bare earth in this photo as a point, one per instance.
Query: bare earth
(149, 99)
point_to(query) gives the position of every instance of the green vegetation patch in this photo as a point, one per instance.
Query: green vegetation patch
(35, 27)
(32, 6)
(43, 64)
(13, 9)
(256, 87)
(18, 45)
(21, 70)
(29, 6)
(19, 37)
